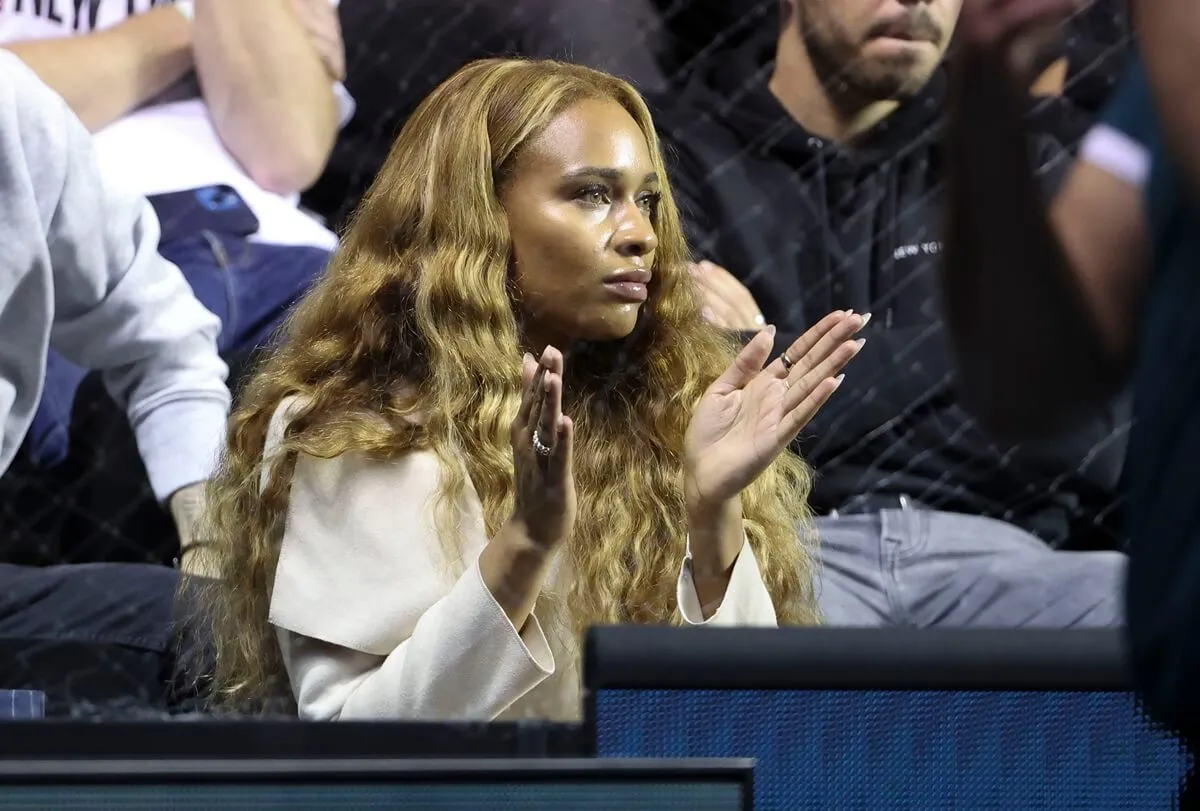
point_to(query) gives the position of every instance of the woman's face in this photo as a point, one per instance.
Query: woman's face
(580, 205)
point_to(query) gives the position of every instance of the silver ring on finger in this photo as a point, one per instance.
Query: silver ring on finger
(539, 447)
(787, 362)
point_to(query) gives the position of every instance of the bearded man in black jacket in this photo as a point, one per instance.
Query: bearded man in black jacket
(808, 169)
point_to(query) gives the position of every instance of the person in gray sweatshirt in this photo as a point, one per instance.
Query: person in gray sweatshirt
(80, 273)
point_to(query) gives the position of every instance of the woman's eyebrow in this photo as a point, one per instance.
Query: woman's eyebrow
(613, 175)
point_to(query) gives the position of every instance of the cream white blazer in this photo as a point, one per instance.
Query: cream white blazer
(375, 623)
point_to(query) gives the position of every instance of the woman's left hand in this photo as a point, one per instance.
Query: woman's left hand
(751, 413)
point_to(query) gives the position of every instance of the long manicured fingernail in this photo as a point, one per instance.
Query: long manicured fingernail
(866, 318)
(527, 357)
(771, 330)
(859, 343)
(837, 381)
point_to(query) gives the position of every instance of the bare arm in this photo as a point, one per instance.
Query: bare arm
(1169, 35)
(714, 534)
(268, 91)
(103, 76)
(514, 570)
(1041, 308)
(1099, 220)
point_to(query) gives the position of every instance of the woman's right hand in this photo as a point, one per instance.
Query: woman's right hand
(542, 438)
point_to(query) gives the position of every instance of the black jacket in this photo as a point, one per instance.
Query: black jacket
(811, 226)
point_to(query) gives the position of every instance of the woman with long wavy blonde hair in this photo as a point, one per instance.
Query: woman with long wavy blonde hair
(412, 520)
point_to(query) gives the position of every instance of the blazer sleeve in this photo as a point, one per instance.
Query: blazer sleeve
(746, 601)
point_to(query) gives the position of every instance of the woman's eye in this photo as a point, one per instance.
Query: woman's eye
(594, 196)
(649, 202)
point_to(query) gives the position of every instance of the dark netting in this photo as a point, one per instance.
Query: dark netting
(924, 750)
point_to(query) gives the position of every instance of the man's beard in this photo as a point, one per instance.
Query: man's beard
(845, 75)
(853, 80)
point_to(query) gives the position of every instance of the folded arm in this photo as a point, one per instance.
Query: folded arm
(107, 74)
(268, 90)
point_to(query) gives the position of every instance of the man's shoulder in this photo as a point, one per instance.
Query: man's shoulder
(31, 114)
(22, 92)
(19, 80)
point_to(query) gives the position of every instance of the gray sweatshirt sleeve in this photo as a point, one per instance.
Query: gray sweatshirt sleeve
(119, 307)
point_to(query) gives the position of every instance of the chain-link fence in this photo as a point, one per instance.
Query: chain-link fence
(898, 429)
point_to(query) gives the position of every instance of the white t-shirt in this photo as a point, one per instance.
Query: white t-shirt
(169, 146)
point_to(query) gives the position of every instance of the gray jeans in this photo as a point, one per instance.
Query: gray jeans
(923, 568)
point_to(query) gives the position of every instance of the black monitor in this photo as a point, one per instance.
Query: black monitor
(301, 784)
(888, 718)
(210, 738)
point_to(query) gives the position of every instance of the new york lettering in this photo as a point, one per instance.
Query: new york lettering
(83, 14)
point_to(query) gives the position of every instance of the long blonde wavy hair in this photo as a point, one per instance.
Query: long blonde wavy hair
(411, 341)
